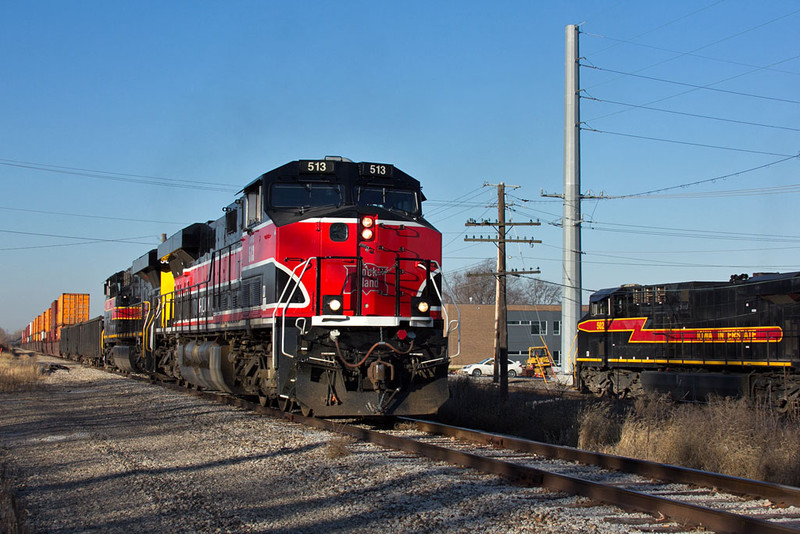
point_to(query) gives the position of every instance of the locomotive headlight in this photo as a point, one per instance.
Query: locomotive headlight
(367, 233)
(332, 304)
(420, 306)
(367, 222)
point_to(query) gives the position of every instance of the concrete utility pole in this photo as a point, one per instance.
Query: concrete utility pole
(572, 277)
(571, 222)
(501, 309)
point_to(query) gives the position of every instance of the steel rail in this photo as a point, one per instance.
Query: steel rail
(777, 493)
(717, 520)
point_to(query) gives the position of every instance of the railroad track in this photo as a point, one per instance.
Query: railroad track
(718, 502)
(686, 496)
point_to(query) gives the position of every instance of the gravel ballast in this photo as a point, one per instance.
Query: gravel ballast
(90, 451)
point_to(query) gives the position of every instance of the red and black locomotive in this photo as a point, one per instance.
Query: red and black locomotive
(319, 288)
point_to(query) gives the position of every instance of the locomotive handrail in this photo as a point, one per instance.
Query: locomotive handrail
(156, 317)
(455, 324)
(305, 266)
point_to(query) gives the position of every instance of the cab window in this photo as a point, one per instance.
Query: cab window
(388, 198)
(305, 195)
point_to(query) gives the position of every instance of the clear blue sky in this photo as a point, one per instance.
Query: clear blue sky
(205, 96)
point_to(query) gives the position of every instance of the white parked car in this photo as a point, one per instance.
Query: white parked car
(486, 367)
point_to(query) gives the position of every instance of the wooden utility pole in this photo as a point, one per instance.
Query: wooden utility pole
(501, 308)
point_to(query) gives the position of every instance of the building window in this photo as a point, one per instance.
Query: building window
(556, 354)
(556, 328)
(538, 328)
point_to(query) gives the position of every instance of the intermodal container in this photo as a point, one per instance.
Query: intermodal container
(73, 308)
(47, 320)
(51, 326)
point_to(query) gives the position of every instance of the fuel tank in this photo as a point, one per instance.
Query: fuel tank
(205, 364)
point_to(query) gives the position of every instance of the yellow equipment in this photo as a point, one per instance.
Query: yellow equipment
(540, 361)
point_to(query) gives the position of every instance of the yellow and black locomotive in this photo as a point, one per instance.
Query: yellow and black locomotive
(692, 339)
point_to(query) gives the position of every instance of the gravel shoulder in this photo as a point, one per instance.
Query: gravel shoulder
(87, 451)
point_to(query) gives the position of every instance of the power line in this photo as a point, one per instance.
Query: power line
(727, 38)
(684, 252)
(692, 233)
(628, 263)
(679, 53)
(99, 240)
(777, 190)
(89, 242)
(707, 180)
(695, 86)
(702, 145)
(644, 262)
(87, 216)
(464, 231)
(695, 115)
(673, 21)
(456, 202)
(453, 203)
(121, 177)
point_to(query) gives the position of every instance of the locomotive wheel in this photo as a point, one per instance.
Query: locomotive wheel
(286, 405)
(263, 400)
(306, 411)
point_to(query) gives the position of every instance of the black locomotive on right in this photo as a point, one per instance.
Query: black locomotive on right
(692, 339)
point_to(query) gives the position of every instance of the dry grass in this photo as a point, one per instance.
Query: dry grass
(599, 426)
(727, 436)
(18, 373)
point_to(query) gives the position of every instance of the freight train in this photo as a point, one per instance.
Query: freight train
(318, 289)
(43, 334)
(692, 339)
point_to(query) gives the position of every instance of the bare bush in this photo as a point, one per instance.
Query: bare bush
(477, 286)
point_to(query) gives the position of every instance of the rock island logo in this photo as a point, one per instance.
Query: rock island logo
(373, 278)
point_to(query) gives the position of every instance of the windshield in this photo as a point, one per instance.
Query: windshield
(305, 195)
(384, 197)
